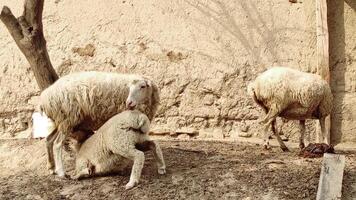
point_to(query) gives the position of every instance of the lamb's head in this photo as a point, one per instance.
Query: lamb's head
(134, 119)
(141, 91)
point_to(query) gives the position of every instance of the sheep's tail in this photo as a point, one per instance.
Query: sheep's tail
(43, 126)
(251, 91)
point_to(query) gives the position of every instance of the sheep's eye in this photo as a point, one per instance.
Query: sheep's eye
(143, 86)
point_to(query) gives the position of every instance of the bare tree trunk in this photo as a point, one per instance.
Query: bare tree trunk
(323, 52)
(27, 31)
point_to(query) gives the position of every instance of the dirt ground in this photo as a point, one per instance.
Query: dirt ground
(195, 170)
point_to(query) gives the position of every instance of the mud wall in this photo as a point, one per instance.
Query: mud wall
(201, 53)
(342, 30)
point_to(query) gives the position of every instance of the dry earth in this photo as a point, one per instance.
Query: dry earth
(195, 170)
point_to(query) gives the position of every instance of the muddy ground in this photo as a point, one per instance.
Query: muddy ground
(195, 170)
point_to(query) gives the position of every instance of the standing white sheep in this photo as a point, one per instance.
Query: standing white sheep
(294, 95)
(108, 150)
(84, 101)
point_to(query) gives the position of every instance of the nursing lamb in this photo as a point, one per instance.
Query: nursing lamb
(84, 101)
(109, 149)
(293, 95)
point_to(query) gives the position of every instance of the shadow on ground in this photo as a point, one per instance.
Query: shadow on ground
(195, 170)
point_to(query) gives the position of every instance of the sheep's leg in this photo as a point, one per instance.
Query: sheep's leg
(266, 135)
(272, 113)
(302, 134)
(274, 127)
(279, 139)
(268, 120)
(50, 158)
(58, 146)
(324, 135)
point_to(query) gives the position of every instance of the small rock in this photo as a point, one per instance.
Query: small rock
(187, 130)
(70, 189)
(32, 197)
(245, 134)
(159, 131)
(244, 128)
(216, 133)
(88, 50)
(183, 136)
(173, 134)
(107, 188)
(176, 178)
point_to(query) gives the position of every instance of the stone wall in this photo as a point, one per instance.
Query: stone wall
(201, 53)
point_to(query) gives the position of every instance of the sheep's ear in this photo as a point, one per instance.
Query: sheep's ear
(155, 93)
(148, 83)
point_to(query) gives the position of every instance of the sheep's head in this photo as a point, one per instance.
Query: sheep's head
(140, 91)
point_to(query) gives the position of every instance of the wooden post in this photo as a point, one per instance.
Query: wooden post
(330, 182)
(323, 52)
(27, 31)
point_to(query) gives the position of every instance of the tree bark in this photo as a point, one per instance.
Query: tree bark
(27, 31)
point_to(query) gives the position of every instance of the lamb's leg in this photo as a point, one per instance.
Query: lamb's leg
(83, 169)
(138, 157)
(157, 152)
(58, 147)
(81, 174)
(302, 134)
(279, 139)
(50, 158)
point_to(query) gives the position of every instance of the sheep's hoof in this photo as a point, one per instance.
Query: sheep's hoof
(51, 172)
(285, 149)
(65, 176)
(162, 171)
(62, 175)
(267, 147)
(50, 168)
(130, 185)
(301, 146)
(76, 177)
(261, 122)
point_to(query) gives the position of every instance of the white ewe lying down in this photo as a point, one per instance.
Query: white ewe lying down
(294, 95)
(82, 102)
(107, 150)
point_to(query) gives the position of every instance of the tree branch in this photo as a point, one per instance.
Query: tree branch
(27, 32)
(11, 23)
